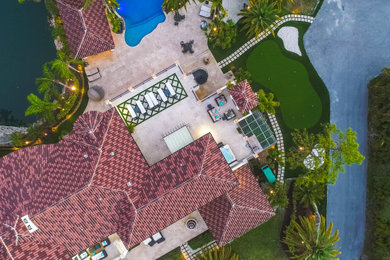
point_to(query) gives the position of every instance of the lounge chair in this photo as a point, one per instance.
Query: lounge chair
(153, 98)
(158, 237)
(131, 111)
(149, 100)
(162, 95)
(149, 241)
(205, 11)
(141, 107)
(209, 106)
(172, 92)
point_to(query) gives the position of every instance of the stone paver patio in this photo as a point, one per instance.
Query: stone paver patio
(175, 235)
(127, 66)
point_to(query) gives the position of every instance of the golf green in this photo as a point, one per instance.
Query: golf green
(300, 104)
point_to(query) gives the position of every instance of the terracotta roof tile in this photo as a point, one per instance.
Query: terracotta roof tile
(246, 207)
(87, 31)
(244, 96)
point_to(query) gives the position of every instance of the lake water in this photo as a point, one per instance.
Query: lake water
(25, 45)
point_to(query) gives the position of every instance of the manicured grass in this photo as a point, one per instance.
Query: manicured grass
(300, 104)
(175, 254)
(261, 242)
(201, 240)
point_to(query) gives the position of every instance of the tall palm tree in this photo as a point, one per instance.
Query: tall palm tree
(62, 66)
(259, 17)
(218, 253)
(309, 241)
(217, 7)
(48, 84)
(41, 108)
(266, 102)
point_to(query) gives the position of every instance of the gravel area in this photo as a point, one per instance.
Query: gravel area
(348, 44)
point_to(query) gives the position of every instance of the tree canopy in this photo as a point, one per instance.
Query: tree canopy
(266, 102)
(259, 17)
(307, 241)
(329, 151)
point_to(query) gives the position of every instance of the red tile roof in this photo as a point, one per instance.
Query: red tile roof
(244, 96)
(87, 31)
(237, 211)
(76, 192)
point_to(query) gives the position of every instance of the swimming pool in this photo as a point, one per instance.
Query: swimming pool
(141, 18)
(228, 153)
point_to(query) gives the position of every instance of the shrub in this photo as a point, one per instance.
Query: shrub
(222, 34)
(115, 22)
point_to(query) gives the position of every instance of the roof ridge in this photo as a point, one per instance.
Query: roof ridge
(220, 179)
(204, 154)
(260, 210)
(101, 147)
(227, 222)
(6, 248)
(99, 38)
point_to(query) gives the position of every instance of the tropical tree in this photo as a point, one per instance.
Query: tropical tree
(328, 151)
(259, 17)
(308, 195)
(62, 66)
(48, 84)
(35, 131)
(41, 108)
(309, 241)
(217, 8)
(266, 102)
(221, 34)
(275, 157)
(218, 253)
(174, 5)
(17, 139)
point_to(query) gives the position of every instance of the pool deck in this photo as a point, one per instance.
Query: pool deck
(127, 66)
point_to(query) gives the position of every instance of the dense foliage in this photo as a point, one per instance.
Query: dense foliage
(218, 253)
(266, 102)
(221, 34)
(174, 5)
(378, 176)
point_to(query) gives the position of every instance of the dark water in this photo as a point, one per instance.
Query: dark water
(25, 45)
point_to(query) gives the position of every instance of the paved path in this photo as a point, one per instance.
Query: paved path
(249, 44)
(348, 44)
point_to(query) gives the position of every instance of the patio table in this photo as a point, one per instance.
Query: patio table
(213, 113)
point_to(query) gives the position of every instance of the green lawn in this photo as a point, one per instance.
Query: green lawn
(300, 104)
(261, 242)
(201, 240)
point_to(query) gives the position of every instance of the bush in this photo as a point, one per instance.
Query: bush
(221, 34)
(67, 106)
(115, 22)
(242, 75)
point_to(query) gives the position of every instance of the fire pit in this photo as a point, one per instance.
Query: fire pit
(191, 223)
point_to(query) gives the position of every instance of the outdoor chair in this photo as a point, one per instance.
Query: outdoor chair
(205, 11)
(158, 237)
(187, 46)
(209, 106)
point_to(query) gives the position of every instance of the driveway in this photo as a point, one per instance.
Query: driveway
(348, 45)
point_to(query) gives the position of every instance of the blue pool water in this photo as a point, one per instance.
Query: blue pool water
(228, 154)
(141, 18)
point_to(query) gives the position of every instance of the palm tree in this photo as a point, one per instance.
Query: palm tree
(216, 7)
(309, 194)
(110, 3)
(308, 241)
(266, 102)
(259, 17)
(62, 66)
(48, 84)
(41, 108)
(174, 5)
(218, 253)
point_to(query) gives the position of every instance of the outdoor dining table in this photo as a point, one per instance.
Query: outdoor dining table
(221, 100)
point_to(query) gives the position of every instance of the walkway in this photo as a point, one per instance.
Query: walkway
(262, 36)
(348, 45)
(279, 143)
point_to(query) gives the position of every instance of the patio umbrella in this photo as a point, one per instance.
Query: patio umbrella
(96, 93)
(200, 76)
